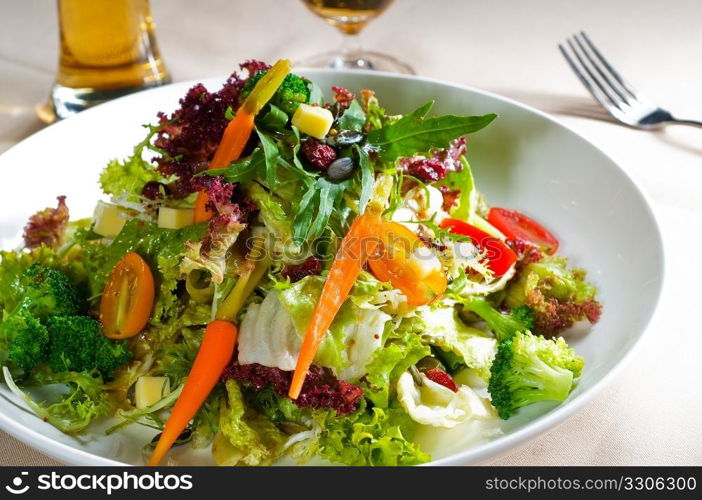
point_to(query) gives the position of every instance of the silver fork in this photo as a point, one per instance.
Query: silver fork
(609, 89)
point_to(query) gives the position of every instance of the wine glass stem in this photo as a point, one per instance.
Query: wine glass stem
(351, 46)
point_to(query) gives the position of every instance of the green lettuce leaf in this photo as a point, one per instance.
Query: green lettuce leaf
(127, 177)
(83, 400)
(245, 436)
(12, 267)
(13, 264)
(403, 348)
(353, 118)
(371, 436)
(554, 279)
(415, 132)
(271, 211)
(441, 327)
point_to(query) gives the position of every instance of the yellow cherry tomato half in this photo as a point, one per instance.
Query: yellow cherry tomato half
(128, 298)
(408, 264)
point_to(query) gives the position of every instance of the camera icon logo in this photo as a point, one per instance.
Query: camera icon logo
(16, 488)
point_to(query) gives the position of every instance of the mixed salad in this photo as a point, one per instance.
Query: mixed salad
(277, 274)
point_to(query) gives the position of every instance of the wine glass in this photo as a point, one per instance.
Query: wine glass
(350, 17)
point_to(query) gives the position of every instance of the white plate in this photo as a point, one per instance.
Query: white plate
(524, 160)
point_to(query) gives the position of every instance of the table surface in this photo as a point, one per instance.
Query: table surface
(651, 413)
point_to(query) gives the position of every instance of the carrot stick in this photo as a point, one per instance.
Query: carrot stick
(356, 247)
(214, 355)
(238, 131)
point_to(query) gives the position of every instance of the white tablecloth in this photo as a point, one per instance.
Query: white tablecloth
(652, 413)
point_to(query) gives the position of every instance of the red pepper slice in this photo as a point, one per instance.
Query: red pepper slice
(517, 226)
(500, 258)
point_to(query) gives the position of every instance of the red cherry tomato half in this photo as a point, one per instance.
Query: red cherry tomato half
(500, 258)
(517, 226)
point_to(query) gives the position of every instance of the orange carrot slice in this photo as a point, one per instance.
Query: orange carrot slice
(214, 355)
(358, 244)
(238, 131)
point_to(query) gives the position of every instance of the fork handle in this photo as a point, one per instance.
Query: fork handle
(694, 123)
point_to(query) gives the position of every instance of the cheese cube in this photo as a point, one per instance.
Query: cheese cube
(313, 120)
(108, 219)
(149, 390)
(175, 218)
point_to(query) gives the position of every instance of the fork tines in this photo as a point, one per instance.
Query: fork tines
(597, 75)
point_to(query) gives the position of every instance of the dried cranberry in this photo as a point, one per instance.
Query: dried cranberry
(317, 154)
(440, 377)
(296, 272)
(426, 169)
(154, 190)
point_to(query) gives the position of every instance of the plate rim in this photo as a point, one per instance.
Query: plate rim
(491, 449)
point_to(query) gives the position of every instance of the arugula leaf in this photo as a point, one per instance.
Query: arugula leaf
(367, 177)
(415, 133)
(353, 118)
(291, 153)
(271, 155)
(316, 207)
(242, 170)
(305, 212)
(296, 149)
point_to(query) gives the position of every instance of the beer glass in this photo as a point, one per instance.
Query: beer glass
(107, 49)
(350, 17)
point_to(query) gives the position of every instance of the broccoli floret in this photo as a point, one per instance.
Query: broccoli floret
(76, 343)
(48, 292)
(530, 368)
(558, 296)
(292, 92)
(110, 356)
(29, 340)
(504, 326)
